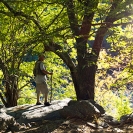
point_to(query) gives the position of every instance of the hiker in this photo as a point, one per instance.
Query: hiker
(40, 79)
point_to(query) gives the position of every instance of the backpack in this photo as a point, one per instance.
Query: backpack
(37, 70)
(34, 71)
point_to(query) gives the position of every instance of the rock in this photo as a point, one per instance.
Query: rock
(117, 130)
(107, 118)
(17, 111)
(126, 119)
(6, 121)
(83, 109)
(100, 108)
(72, 102)
(99, 131)
(72, 131)
(3, 125)
(23, 124)
(114, 122)
(15, 127)
(1, 106)
(32, 113)
(103, 124)
(33, 123)
(110, 120)
(94, 125)
(28, 125)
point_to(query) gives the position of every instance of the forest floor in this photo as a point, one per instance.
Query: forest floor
(73, 126)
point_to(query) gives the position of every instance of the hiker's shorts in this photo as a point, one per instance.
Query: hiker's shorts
(42, 88)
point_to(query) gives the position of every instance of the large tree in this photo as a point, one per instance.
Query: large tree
(68, 26)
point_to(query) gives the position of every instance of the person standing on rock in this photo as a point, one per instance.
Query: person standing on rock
(40, 73)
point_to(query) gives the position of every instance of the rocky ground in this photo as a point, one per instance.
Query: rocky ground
(71, 126)
(62, 117)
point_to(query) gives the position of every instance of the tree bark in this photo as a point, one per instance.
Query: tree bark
(87, 65)
(86, 74)
(11, 93)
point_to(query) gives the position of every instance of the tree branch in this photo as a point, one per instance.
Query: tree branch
(3, 100)
(24, 86)
(3, 67)
(72, 18)
(114, 10)
(20, 13)
(109, 20)
(87, 19)
(55, 18)
(123, 14)
(57, 49)
(109, 24)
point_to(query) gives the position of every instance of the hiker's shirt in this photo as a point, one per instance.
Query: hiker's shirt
(40, 77)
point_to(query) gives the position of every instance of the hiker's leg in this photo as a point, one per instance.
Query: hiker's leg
(45, 97)
(38, 92)
(44, 91)
(38, 97)
(46, 103)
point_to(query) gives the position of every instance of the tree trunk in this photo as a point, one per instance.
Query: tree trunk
(87, 83)
(11, 93)
(84, 82)
(74, 76)
(86, 77)
(87, 66)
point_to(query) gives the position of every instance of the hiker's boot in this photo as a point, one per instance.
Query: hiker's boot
(47, 104)
(38, 103)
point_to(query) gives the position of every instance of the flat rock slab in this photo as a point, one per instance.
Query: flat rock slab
(32, 113)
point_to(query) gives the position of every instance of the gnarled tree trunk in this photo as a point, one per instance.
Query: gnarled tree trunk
(10, 96)
(11, 91)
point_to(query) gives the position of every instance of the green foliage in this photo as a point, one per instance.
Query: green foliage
(115, 103)
(122, 105)
(27, 96)
(111, 89)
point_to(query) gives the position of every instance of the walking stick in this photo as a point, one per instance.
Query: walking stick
(51, 89)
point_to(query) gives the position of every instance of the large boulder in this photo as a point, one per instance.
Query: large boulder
(84, 109)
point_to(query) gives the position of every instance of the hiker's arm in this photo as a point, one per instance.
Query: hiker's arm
(43, 69)
(46, 72)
